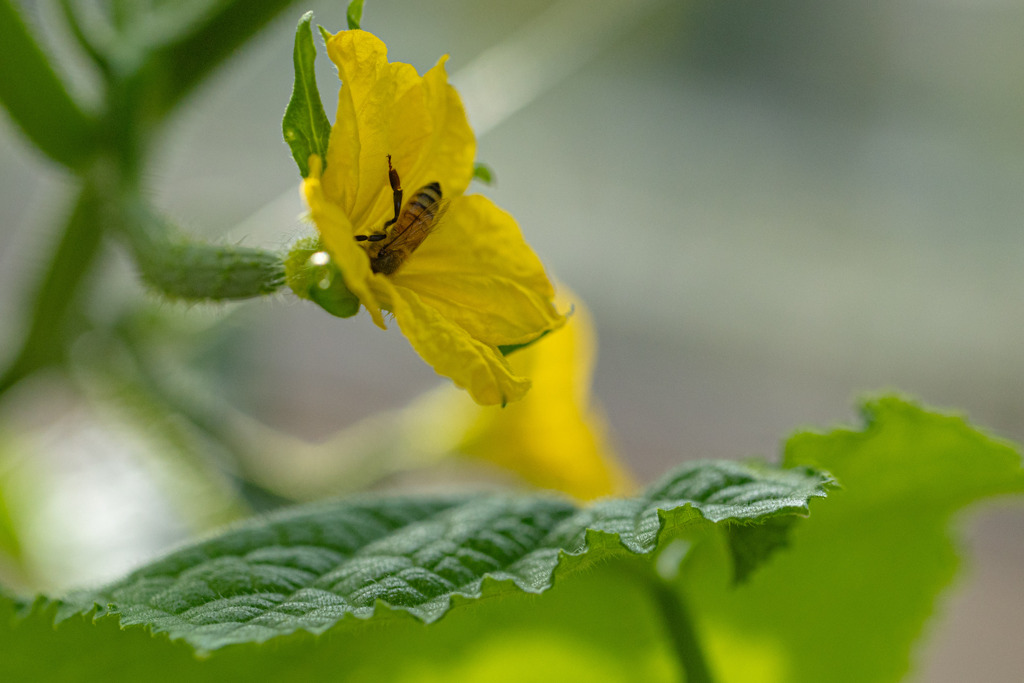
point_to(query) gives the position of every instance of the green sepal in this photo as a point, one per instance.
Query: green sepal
(313, 276)
(354, 14)
(305, 126)
(506, 349)
(483, 173)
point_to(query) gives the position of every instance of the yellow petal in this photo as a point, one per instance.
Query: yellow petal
(452, 150)
(554, 438)
(336, 232)
(381, 110)
(386, 108)
(478, 271)
(477, 367)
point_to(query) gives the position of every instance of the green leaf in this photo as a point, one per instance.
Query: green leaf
(315, 567)
(751, 546)
(305, 126)
(483, 173)
(36, 99)
(173, 70)
(853, 591)
(565, 634)
(354, 14)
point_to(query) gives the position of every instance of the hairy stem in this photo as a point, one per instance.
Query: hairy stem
(181, 268)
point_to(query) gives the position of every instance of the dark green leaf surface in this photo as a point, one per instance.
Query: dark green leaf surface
(36, 98)
(852, 592)
(306, 127)
(315, 566)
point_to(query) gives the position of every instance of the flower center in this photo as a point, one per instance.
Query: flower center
(400, 236)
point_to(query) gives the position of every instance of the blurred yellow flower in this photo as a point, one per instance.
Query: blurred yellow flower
(554, 438)
(472, 284)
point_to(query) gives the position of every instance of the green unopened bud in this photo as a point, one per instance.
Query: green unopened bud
(312, 275)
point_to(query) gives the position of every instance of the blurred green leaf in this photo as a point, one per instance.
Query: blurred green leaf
(306, 127)
(10, 543)
(313, 567)
(853, 591)
(536, 588)
(752, 546)
(483, 173)
(37, 100)
(354, 14)
(565, 634)
(173, 70)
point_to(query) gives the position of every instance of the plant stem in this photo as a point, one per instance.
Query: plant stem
(209, 417)
(48, 333)
(680, 628)
(37, 100)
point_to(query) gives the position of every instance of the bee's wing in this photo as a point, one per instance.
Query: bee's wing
(422, 225)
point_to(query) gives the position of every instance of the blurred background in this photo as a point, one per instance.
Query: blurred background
(771, 208)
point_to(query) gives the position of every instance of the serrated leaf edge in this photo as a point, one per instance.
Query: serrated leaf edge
(490, 585)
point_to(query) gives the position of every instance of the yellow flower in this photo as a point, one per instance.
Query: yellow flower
(555, 438)
(473, 284)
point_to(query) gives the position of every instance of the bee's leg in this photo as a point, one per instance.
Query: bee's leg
(396, 188)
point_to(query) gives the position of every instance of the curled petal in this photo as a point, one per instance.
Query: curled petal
(386, 108)
(477, 367)
(450, 154)
(381, 111)
(336, 232)
(479, 272)
(554, 438)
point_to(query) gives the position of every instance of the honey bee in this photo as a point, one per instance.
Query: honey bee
(408, 228)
